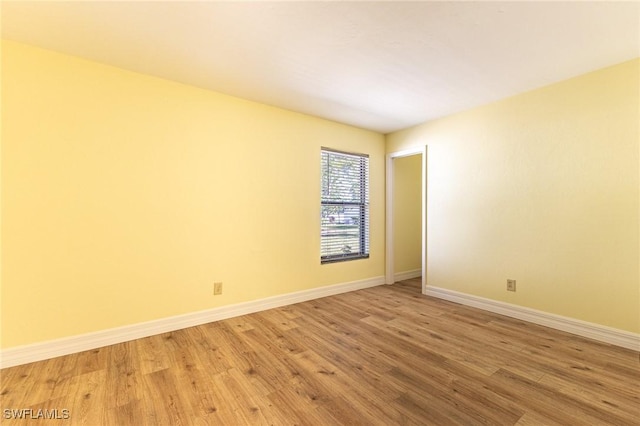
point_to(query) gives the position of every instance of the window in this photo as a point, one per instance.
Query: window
(344, 229)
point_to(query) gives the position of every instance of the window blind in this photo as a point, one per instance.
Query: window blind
(344, 233)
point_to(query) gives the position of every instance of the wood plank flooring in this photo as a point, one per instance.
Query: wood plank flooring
(381, 356)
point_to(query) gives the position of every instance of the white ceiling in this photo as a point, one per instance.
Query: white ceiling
(378, 65)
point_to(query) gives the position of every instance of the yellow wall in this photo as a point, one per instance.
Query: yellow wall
(124, 197)
(543, 188)
(407, 213)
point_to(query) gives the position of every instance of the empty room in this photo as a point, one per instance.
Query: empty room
(320, 213)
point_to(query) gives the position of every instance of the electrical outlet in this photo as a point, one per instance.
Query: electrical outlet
(511, 285)
(217, 289)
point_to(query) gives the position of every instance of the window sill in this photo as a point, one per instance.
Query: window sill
(343, 258)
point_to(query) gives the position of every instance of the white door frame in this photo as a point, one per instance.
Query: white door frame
(389, 272)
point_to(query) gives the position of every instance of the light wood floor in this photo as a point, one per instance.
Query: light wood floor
(382, 356)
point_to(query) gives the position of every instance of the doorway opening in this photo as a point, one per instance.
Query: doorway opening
(401, 245)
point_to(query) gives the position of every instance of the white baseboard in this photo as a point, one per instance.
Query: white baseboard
(593, 331)
(407, 275)
(68, 345)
